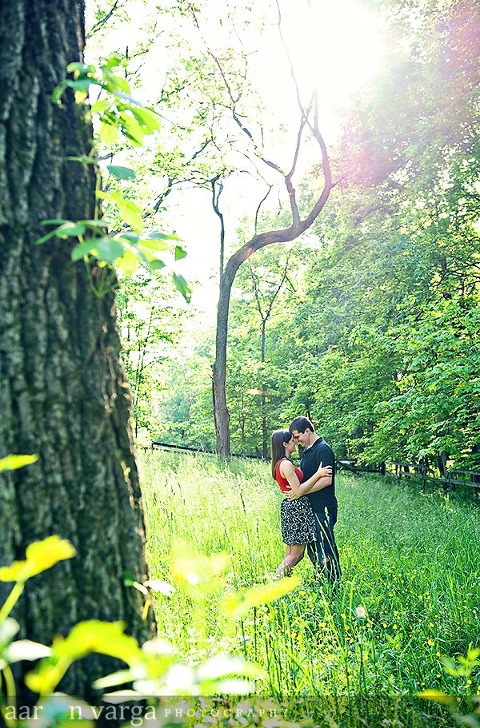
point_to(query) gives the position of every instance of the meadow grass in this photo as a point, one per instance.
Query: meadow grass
(409, 595)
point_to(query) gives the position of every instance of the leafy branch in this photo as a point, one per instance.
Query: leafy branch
(119, 114)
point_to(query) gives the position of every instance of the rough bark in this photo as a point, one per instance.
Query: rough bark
(63, 394)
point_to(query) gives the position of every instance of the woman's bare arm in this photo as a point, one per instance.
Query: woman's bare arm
(320, 479)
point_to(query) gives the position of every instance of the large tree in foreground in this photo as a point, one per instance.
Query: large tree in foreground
(63, 391)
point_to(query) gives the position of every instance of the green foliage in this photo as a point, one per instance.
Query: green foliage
(375, 331)
(151, 326)
(154, 669)
(118, 115)
(408, 598)
(465, 669)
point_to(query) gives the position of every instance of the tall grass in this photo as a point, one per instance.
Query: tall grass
(409, 595)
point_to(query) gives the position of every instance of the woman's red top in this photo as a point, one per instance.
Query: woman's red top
(283, 482)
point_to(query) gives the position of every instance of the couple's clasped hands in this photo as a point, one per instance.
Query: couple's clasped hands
(322, 472)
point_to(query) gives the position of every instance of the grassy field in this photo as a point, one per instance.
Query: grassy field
(410, 594)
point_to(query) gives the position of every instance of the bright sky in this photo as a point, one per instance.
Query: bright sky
(335, 46)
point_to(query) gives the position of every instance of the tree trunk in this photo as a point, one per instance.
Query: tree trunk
(263, 406)
(220, 409)
(64, 393)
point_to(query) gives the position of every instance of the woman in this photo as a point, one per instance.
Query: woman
(298, 524)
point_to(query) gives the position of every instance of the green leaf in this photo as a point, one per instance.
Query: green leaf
(100, 106)
(156, 264)
(130, 236)
(80, 84)
(46, 237)
(109, 249)
(121, 172)
(128, 578)
(106, 638)
(13, 462)
(180, 252)
(130, 213)
(132, 129)
(182, 286)
(108, 132)
(114, 61)
(128, 263)
(436, 695)
(153, 246)
(54, 221)
(116, 85)
(40, 555)
(148, 118)
(156, 235)
(95, 224)
(57, 93)
(70, 230)
(83, 249)
(239, 603)
(80, 68)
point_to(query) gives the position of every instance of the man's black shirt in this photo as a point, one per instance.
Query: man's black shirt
(319, 452)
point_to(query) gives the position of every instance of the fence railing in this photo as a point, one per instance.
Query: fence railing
(353, 467)
(156, 445)
(421, 472)
(417, 471)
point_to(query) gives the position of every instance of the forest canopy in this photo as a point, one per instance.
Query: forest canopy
(368, 321)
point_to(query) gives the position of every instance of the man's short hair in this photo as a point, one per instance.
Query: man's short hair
(300, 424)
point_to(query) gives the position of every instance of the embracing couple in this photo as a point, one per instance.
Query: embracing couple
(309, 509)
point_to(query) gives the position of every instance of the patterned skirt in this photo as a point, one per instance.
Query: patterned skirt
(298, 521)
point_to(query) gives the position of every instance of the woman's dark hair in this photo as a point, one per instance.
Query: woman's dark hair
(278, 451)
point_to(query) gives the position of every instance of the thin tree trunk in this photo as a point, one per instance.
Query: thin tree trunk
(219, 369)
(64, 393)
(258, 241)
(263, 406)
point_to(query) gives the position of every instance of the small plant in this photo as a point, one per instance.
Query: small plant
(154, 669)
(464, 669)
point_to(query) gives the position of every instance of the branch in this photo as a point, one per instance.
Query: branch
(104, 20)
(292, 195)
(257, 212)
(216, 192)
(289, 58)
(172, 182)
(256, 289)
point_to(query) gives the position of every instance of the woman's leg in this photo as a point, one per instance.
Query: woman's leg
(293, 555)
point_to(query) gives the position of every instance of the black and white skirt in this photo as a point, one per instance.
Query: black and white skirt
(298, 521)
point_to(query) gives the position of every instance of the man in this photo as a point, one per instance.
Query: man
(323, 553)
